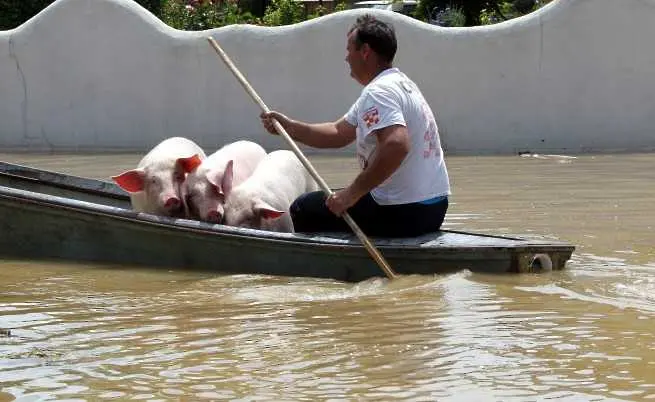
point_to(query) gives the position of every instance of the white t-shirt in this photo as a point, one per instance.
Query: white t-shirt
(393, 99)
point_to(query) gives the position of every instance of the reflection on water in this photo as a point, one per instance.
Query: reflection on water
(96, 332)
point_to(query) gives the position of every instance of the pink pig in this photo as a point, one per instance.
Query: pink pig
(155, 184)
(206, 187)
(263, 200)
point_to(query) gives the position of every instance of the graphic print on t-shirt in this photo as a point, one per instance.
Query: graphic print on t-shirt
(371, 116)
(430, 136)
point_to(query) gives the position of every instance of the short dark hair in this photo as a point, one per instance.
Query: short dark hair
(379, 35)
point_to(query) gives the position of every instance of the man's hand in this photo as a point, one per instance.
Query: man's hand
(341, 200)
(267, 121)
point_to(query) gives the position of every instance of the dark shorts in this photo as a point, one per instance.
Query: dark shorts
(310, 214)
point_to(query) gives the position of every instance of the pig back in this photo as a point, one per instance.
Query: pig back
(282, 171)
(246, 156)
(169, 150)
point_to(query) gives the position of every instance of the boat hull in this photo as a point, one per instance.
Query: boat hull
(98, 226)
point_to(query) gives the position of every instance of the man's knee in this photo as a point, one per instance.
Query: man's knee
(306, 210)
(306, 202)
(296, 206)
(310, 214)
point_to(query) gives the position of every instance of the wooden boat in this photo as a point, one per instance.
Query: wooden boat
(46, 215)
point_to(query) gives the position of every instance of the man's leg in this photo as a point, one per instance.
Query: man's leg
(409, 220)
(405, 220)
(310, 214)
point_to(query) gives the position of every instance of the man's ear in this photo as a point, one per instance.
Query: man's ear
(366, 50)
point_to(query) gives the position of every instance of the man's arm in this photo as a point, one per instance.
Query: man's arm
(318, 135)
(393, 146)
(324, 135)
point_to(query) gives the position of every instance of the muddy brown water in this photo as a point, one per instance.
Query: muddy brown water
(92, 332)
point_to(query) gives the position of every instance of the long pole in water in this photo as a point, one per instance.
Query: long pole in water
(379, 259)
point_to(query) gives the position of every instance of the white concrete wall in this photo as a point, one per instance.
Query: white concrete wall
(576, 76)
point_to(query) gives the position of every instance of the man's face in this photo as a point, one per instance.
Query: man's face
(355, 57)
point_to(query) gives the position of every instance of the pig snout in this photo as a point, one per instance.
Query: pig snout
(214, 216)
(172, 204)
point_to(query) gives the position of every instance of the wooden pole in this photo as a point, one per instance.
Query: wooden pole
(379, 259)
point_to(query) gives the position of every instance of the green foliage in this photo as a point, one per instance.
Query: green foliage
(206, 14)
(15, 12)
(283, 12)
(320, 10)
(477, 12)
(154, 6)
(340, 6)
(524, 6)
(506, 10)
(198, 15)
(449, 17)
(427, 10)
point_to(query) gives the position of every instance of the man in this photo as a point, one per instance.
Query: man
(403, 187)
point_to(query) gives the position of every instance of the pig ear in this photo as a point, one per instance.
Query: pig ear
(228, 177)
(189, 164)
(130, 181)
(266, 211)
(225, 186)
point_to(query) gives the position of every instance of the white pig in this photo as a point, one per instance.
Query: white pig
(206, 187)
(155, 184)
(263, 200)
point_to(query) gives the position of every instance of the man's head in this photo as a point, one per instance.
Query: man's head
(371, 48)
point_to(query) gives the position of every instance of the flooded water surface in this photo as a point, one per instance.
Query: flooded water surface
(92, 332)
